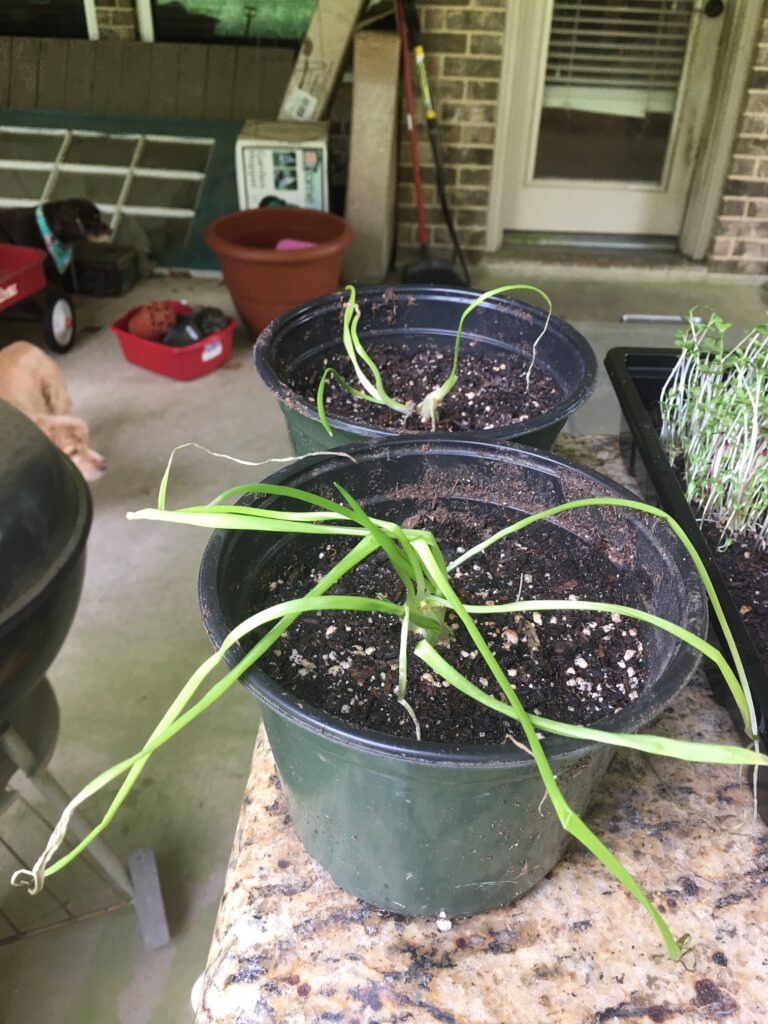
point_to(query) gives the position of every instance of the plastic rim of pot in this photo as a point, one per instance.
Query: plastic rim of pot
(500, 326)
(419, 828)
(264, 281)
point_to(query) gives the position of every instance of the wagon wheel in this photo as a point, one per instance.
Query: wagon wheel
(58, 320)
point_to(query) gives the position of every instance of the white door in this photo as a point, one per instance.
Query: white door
(610, 98)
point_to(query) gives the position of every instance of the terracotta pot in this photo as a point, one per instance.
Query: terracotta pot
(264, 281)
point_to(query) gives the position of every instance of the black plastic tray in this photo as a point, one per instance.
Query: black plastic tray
(638, 376)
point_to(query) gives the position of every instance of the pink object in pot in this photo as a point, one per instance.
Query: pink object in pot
(294, 243)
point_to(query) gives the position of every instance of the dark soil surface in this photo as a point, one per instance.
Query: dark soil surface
(490, 392)
(575, 666)
(745, 570)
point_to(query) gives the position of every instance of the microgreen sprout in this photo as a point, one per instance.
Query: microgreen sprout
(371, 382)
(714, 410)
(427, 596)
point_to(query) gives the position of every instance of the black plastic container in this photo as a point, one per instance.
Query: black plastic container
(45, 516)
(638, 377)
(414, 316)
(422, 827)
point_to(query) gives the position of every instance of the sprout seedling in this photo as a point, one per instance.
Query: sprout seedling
(369, 376)
(714, 410)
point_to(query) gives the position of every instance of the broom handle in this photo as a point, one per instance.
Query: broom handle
(410, 115)
(413, 27)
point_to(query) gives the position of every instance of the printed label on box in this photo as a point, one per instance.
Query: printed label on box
(295, 175)
(211, 349)
(299, 106)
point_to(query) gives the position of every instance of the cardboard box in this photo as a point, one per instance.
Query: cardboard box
(282, 162)
(372, 179)
(320, 60)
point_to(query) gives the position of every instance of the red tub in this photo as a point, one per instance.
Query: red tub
(180, 363)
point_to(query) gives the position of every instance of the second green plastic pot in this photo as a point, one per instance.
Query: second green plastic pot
(310, 335)
(420, 828)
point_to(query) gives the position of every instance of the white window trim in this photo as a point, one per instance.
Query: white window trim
(145, 21)
(130, 172)
(91, 21)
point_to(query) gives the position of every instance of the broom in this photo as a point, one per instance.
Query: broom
(427, 269)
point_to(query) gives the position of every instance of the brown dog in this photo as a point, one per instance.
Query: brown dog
(34, 383)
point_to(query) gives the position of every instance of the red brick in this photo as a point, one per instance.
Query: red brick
(445, 42)
(475, 176)
(447, 89)
(754, 124)
(472, 218)
(471, 67)
(478, 135)
(432, 20)
(469, 155)
(479, 21)
(743, 166)
(739, 266)
(468, 197)
(742, 187)
(482, 43)
(485, 89)
(721, 247)
(469, 113)
(752, 248)
(734, 208)
(757, 103)
(750, 147)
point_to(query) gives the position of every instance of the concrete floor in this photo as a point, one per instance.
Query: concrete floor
(137, 635)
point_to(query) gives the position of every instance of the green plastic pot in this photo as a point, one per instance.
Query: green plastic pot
(413, 316)
(420, 828)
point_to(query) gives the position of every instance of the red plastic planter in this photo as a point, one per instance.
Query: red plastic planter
(183, 363)
(265, 281)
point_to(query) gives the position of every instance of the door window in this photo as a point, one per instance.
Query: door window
(611, 88)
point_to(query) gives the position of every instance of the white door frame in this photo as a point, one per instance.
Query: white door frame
(737, 43)
(145, 21)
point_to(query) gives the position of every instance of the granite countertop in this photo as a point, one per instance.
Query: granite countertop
(290, 947)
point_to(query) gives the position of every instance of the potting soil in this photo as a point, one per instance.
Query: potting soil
(574, 666)
(490, 391)
(745, 570)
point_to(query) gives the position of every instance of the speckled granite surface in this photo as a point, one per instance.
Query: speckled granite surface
(289, 947)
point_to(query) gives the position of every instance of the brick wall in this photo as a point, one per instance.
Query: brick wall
(740, 243)
(463, 41)
(116, 19)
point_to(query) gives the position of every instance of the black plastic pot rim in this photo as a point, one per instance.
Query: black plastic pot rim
(314, 720)
(297, 404)
(65, 558)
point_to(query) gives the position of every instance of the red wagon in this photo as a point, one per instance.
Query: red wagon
(22, 278)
